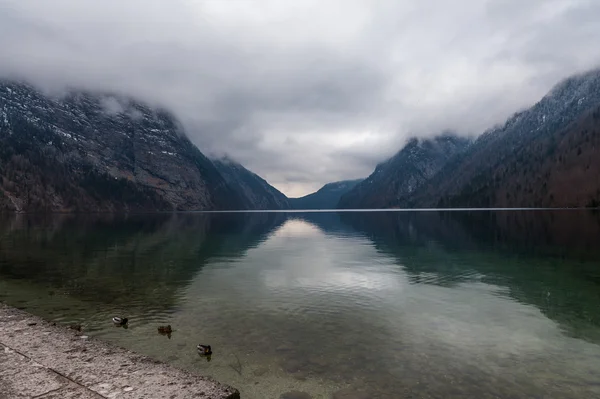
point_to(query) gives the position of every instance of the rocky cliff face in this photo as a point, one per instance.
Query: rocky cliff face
(544, 156)
(327, 197)
(399, 177)
(99, 152)
(255, 192)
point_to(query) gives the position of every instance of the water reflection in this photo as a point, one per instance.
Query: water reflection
(549, 259)
(137, 263)
(411, 304)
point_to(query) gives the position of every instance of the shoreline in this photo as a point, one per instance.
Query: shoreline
(44, 360)
(324, 210)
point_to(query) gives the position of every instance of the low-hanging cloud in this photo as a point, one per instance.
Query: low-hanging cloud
(306, 92)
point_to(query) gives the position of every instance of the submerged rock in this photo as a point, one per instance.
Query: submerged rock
(292, 366)
(295, 395)
(350, 393)
(260, 371)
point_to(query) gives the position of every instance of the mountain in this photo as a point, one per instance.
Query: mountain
(255, 192)
(401, 175)
(545, 156)
(89, 152)
(327, 197)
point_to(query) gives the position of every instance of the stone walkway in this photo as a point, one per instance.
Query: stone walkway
(22, 377)
(40, 360)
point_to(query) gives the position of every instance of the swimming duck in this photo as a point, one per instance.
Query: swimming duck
(162, 330)
(204, 350)
(165, 330)
(120, 321)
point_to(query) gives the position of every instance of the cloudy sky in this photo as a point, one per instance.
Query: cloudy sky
(304, 92)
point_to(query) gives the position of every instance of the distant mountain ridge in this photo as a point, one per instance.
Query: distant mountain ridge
(327, 197)
(98, 152)
(255, 192)
(398, 177)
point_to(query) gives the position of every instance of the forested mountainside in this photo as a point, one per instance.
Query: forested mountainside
(401, 175)
(255, 192)
(327, 197)
(547, 155)
(100, 152)
(560, 169)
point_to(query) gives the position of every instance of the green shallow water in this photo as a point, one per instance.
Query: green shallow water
(473, 304)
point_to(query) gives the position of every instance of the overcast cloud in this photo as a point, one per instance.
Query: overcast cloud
(305, 92)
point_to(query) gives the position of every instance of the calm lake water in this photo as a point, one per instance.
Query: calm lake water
(473, 304)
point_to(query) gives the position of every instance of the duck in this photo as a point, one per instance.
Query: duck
(76, 327)
(120, 321)
(165, 330)
(204, 350)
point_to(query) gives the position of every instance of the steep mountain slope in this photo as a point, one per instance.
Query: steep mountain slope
(543, 156)
(255, 192)
(90, 152)
(560, 169)
(401, 175)
(327, 197)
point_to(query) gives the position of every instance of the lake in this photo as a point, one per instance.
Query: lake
(351, 305)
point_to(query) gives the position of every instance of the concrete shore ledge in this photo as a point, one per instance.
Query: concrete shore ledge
(41, 360)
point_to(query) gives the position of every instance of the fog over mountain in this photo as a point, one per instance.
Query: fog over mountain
(305, 93)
